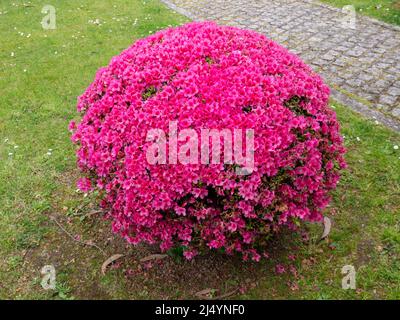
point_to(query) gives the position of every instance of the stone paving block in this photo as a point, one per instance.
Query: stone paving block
(387, 100)
(394, 91)
(396, 112)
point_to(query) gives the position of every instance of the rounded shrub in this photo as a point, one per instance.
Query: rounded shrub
(204, 76)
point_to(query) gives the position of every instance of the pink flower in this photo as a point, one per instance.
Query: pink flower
(190, 254)
(205, 76)
(279, 269)
(84, 184)
(72, 126)
(291, 257)
(180, 211)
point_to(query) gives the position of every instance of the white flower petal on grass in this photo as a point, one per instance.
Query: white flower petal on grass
(396, 147)
(358, 139)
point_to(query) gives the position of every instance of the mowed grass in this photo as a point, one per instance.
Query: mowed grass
(385, 10)
(41, 74)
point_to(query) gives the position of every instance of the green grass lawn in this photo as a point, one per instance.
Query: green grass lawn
(385, 10)
(41, 74)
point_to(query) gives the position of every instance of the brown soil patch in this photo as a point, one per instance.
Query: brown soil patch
(168, 278)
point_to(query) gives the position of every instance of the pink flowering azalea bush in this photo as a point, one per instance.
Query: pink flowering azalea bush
(202, 75)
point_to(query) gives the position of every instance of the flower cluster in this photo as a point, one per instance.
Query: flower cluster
(202, 75)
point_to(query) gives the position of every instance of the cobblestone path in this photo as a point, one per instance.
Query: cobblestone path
(360, 63)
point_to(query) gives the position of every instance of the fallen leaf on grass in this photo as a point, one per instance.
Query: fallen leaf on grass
(154, 257)
(293, 286)
(206, 293)
(109, 261)
(307, 263)
(327, 228)
(209, 294)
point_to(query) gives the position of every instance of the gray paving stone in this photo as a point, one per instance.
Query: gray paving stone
(396, 112)
(387, 100)
(364, 61)
(394, 91)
